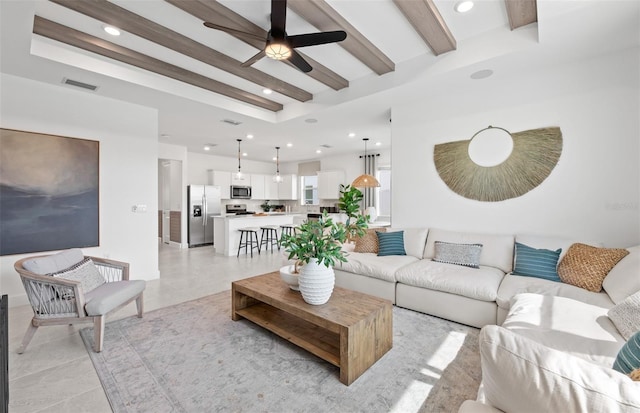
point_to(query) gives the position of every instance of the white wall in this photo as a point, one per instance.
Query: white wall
(593, 194)
(128, 167)
(351, 164)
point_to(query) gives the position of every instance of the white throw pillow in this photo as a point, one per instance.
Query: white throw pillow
(521, 375)
(624, 279)
(626, 316)
(86, 272)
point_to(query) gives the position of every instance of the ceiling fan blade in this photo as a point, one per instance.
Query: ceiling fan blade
(253, 59)
(278, 17)
(313, 39)
(232, 31)
(299, 62)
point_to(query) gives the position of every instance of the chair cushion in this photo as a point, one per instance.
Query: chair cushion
(54, 263)
(86, 272)
(111, 295)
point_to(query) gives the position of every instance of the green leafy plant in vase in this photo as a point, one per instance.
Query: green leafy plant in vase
(316, 246)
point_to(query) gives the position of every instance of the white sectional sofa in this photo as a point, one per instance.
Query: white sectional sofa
(545, 345)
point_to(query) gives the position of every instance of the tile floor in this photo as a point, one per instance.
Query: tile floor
(55, 373)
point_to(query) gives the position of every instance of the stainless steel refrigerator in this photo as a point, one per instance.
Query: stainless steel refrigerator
(204, 204)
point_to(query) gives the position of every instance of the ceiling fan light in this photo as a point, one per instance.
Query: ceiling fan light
(277, 51)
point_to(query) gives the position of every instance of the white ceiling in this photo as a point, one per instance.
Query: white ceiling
(566, 31)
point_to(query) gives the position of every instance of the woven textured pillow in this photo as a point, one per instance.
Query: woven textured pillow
(539, 263)
(86, 272)
(626, 315)
(369, 241)
(391, 243)
(586, 267)
(467, 255)
(628, 358)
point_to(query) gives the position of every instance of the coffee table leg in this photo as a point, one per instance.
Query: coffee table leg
(238, 302)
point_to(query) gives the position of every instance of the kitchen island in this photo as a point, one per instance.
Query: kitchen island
(226, 235)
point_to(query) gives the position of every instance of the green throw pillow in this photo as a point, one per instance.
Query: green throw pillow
(539, 263)
(391, 243)
(628, 358)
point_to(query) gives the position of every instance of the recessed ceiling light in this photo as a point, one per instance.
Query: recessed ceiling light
(351, 134)
(463, 6)
(274, 159)
(244, 154)
(318, 151)
(378, 143)
(112, 30)
(481, 74)
(311, 120)
(289, 145)
(267, 91)
(249, 136)
(207, 147)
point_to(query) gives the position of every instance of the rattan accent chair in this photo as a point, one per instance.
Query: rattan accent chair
(59, 301)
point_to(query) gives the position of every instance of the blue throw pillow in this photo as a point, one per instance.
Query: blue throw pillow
(540, 263)
(628, 358)
(391, 243)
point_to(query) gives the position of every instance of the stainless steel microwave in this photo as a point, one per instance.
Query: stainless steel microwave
(240, 192)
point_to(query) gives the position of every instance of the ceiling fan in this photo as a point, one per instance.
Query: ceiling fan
(279, 45)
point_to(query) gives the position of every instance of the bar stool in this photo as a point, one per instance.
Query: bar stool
(287, 230)
(250, 240)
(269, 237)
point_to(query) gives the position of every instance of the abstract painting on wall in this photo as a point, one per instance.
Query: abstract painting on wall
(49, 192)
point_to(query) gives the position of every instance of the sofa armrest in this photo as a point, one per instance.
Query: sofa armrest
(519, 374)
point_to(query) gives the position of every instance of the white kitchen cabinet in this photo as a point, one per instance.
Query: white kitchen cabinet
(245, 180)
(223, 180)
(288, 188)
(271, 188)
(329, 184)
(258, 186)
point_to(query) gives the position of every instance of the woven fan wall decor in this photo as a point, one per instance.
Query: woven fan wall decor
(535, 153)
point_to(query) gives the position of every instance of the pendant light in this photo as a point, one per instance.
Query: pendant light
(239, 174)
(277, 178)
(365, 180)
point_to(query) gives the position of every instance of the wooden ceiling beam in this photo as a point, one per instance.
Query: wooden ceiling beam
(321, 15)
(112, 14)
(64, 34)
(214, 12)
(428, 22)
(521, 12)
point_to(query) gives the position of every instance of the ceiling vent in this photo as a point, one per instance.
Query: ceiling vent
(231, 122)
(326, 146)
(77, 83)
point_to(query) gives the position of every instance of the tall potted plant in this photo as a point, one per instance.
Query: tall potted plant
(317, 245)
(349, 202)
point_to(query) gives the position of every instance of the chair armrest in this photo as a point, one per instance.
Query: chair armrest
(111, 270)
(52, 297)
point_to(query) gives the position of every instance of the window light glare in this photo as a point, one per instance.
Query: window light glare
(112, 30)
(463, 6)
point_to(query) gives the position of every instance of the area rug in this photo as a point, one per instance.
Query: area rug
(192, 357)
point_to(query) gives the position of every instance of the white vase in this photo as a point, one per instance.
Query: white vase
(290, 277)
(316, 282)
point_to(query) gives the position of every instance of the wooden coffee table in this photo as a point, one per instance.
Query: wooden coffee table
(351, 331)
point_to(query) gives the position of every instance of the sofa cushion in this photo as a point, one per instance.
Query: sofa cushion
(626, 315)
(571, 326)
(586, 266)
(414, 240)
(516, 284)
(536, 262)
(467, 255)
(371, 265)
(476, 283)
(53, 263)
(628, 358)
(369, 241)
(391, 243)
(497, 250)
(86, 272)
(623, 279)
(111, 295)
(513, 365)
